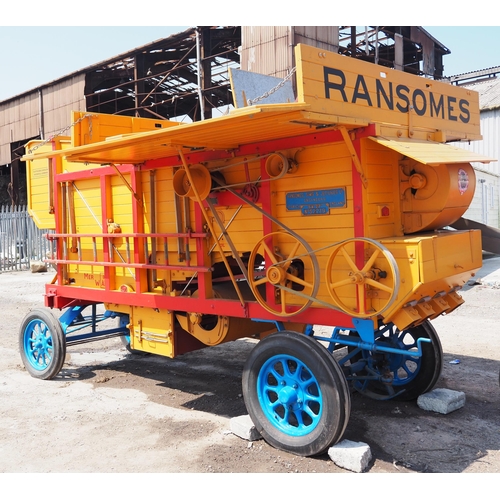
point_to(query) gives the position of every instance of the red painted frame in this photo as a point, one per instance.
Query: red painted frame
(60, 295)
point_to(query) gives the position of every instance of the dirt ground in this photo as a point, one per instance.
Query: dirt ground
(111, 411)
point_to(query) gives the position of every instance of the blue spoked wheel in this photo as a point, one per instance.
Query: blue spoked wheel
(401, 377)
(296, 394)
(42, 344)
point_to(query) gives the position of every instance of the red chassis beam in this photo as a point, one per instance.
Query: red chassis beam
(61, 296)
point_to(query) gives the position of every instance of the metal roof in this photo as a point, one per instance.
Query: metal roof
(489, 93)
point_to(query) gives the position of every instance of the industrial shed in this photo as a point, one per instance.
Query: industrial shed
(485, 207)
(186, 77)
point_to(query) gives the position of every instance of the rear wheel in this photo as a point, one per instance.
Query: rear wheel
(42, 344)
(401, 377)
(296, 394)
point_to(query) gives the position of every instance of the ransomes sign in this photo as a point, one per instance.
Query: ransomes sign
(398, 97)
(357, 90)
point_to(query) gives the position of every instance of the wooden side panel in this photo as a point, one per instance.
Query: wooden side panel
(381, 200)
(90, 128)
(320, 168)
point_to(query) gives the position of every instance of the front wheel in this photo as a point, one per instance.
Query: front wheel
(42, 344)
(295, 394)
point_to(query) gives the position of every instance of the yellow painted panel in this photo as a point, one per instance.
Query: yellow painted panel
(381, 198)
(430, 264)
(37, 176)
(96, 127)
(431, 153)
(152, 331)
(256, 124)
(451, 253)
(325, 224)
(379, 231)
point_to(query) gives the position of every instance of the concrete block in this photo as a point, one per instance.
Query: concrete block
(38, 266)
(351, 455)
(243, 427)
(441, 401)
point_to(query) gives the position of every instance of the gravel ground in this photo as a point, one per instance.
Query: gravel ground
(112, 411)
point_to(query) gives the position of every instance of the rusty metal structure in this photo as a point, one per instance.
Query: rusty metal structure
(185, 74)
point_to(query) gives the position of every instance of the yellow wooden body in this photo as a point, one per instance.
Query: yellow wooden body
(398, 183)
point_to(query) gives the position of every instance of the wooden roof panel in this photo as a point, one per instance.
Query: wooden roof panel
(244, 126)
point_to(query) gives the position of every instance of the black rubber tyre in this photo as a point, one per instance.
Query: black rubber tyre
(125, 339)
(411, 376)
(296, 394)
(42, 344)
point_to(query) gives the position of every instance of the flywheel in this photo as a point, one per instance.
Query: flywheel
(362, 277)
(283, 273)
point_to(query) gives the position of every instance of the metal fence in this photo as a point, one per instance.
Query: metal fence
(20, 240)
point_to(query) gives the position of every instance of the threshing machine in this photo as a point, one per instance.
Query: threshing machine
(332, 209)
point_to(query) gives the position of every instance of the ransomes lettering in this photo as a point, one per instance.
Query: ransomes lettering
(387, 95)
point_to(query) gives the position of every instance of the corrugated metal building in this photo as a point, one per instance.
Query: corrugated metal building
(29, 116)
(187, 74)
(485, 207)
(163, 79)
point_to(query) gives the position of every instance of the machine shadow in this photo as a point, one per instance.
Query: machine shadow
(207, 380)
(398, 432)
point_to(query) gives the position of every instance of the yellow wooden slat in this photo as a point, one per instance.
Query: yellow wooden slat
(252, 124)
(431, 153)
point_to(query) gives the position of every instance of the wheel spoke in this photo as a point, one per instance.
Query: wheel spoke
(340, 283)
(297, 280)
(283, 302)
(262, 281)
(377, 284)
(406, 368)
(306, 409)
(270, 387)
(298, 416)
(303, 374)
(287, 373)
(293, 253)
(286, 416)
(276, 375)
(361, 298)
(371, 261)
(269, 252)
(403, 336)
(347, 257)
(312, 397)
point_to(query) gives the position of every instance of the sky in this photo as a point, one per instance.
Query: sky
(34, 55)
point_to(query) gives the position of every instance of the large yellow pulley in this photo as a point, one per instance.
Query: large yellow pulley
(285, 265)
(200, 177)
(362, 277)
